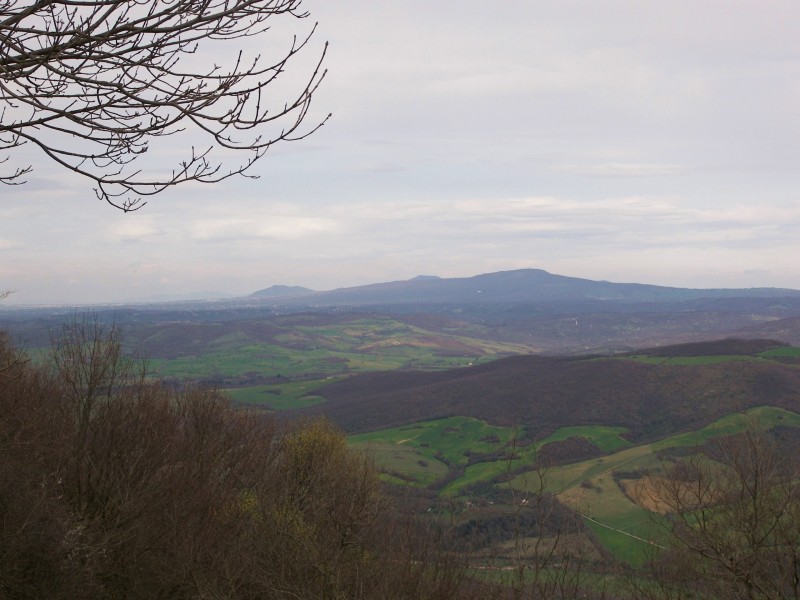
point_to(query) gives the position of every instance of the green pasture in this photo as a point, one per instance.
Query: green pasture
(405, 464)
(773, 353)
(424, 453)
(782, 352)
(275, 361)
(592, 583)
(267, 359)
(633, 540)
(627, 530)
(357, 331)
(481, 472)
(589, 486)
(482, 450)
(369, 344)
(270, 360)
(606, 438)
(310, 355)
(384, 335)
(765, 417)
(564, 477)
(285, 396)
(452, 439)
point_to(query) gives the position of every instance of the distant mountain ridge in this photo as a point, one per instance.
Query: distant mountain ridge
(517, 286)
(282, 291)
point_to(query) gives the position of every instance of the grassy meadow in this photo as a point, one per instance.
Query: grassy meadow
(463, 452)
(279, 364)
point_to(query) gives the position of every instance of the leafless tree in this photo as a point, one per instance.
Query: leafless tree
(92, 83)
(550, 557)
(114, 486)
(734, 523)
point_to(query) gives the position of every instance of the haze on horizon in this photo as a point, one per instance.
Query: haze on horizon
(613, 140)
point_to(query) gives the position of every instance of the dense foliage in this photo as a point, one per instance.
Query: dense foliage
(115, 487)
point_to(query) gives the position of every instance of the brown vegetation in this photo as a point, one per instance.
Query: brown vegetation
(111, 487)
(733, 523)
(545, 393)
(729, 347)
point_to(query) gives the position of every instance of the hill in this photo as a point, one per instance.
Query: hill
(282, 291)
(520, 286)
(533, 310)
(557, 314)
(650, 395)
(786, 329)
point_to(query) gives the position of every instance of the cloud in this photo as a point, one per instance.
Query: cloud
(561, 224)
(621, 170)
(609, 139)
(142, 227)
(269, 227)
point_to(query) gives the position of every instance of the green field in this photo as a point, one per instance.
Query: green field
(297, 394)
(427, 452)
(423, 451)
(605, 438)
(782, 352)
(589, 486)
(254, 366)
(286, 362)
(483, 451)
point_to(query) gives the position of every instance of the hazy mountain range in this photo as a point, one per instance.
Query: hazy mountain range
(515, 287)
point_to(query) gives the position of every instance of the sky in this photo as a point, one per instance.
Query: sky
(629, 141)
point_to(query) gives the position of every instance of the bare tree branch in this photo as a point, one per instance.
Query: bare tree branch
(733, 522)
(93, 83)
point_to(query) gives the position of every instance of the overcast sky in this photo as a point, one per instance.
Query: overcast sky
(656, 142)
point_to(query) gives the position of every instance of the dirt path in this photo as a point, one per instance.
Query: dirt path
(630, 535)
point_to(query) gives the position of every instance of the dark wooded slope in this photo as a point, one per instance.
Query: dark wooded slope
(543, 394)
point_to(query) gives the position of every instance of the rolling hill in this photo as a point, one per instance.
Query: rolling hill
(652, 395)
(530, 308)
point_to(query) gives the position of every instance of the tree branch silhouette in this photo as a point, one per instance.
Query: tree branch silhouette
(92, 84)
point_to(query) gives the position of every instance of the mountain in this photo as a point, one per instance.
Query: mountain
(523, 286)
(282, 291)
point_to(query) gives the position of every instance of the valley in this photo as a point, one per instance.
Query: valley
(483, 413)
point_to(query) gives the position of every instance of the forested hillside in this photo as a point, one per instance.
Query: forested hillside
(650, 394)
